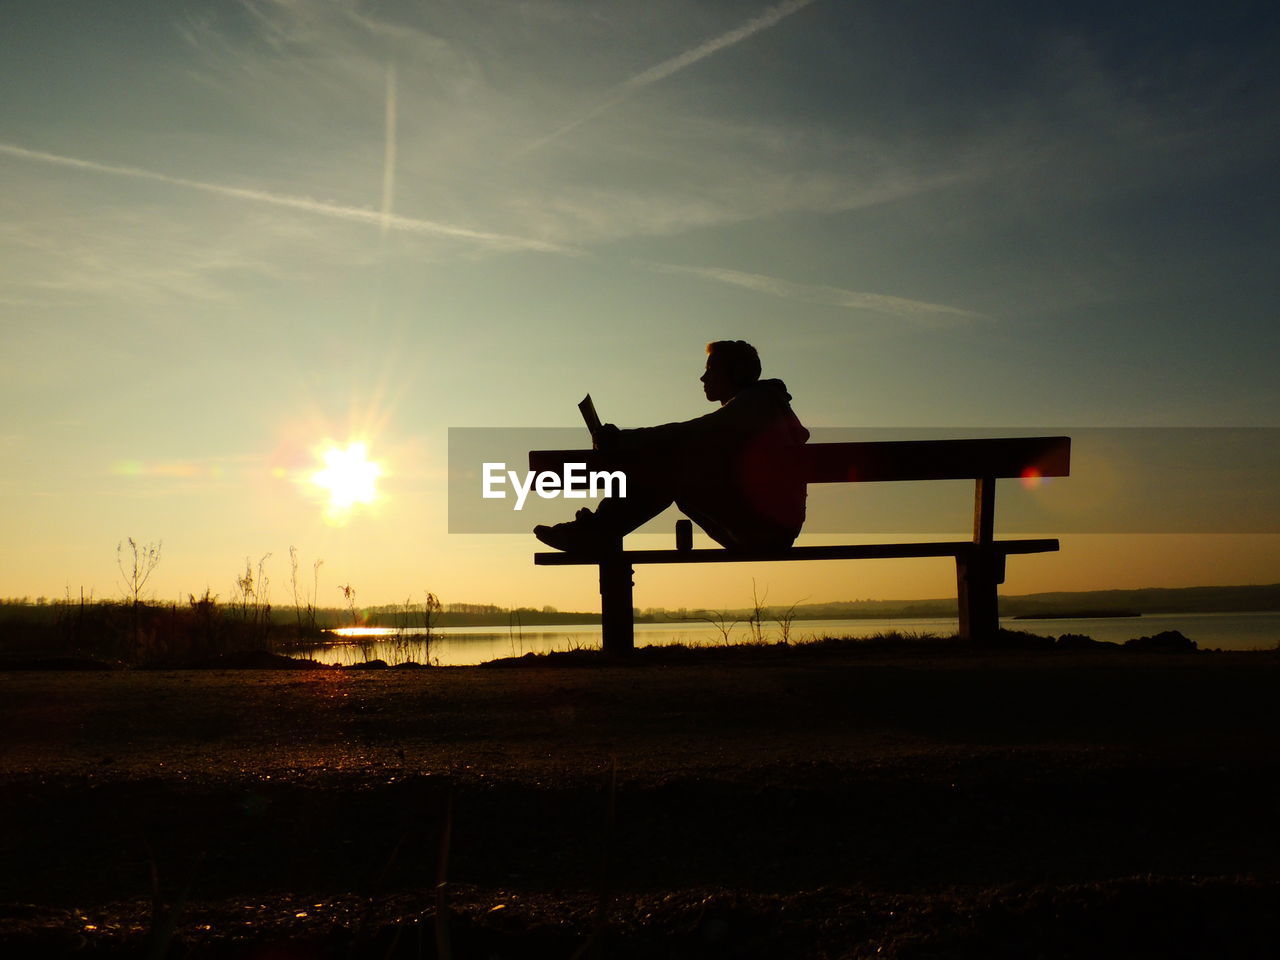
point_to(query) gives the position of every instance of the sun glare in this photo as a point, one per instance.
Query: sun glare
(349, 478)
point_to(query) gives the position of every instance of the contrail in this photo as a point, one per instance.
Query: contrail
(690, 57)
(384, 219)
(675, 64)
(914, 310)
(389, 153)
(917, 311)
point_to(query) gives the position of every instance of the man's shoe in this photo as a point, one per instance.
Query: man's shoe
(579, 535)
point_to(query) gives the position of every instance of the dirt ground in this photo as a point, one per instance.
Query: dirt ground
(843, 802)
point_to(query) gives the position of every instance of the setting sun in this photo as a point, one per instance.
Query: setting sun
(348, 477)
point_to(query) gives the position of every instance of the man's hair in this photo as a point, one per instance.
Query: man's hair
(739, 359)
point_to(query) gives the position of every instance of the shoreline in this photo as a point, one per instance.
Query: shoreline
(893, 644)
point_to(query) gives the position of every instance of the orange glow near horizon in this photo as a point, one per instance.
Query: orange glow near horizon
(349, 479)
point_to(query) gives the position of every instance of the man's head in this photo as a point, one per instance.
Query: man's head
(731, 365)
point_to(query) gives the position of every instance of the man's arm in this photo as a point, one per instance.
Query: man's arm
(711, 429)
(605, 439)
(745, 416)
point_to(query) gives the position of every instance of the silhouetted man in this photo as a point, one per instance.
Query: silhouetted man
(734, 472)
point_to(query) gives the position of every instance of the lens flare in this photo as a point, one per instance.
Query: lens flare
(349, 478)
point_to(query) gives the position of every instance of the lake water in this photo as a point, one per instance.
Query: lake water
(470, 645)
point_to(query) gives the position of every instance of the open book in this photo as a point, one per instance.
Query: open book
(590, 416)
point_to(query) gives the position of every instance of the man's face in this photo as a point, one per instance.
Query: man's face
(716, 383)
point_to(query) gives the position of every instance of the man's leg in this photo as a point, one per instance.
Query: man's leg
(612, 519)
(713, 504)
(731, 522)
(618, 516)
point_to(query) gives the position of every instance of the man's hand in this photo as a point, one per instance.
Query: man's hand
(606, 438)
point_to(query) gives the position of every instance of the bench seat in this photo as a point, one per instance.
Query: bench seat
(869, 551)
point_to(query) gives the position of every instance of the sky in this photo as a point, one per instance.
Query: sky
(237, 236)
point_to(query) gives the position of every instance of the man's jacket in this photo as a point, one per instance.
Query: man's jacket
(746, 452)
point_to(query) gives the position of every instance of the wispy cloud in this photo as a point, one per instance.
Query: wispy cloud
(915, 311)
(39, 302)
(389, 150)
(382, 218)
(126, 255)
(468, 93)
(445, 122)
(585, 213)
(674, 65)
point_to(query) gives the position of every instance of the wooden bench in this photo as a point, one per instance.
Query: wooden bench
(980, 562)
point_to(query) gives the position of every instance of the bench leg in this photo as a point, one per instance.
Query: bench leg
(976, 578)
(615, 606)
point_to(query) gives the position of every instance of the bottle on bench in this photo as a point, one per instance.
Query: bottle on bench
(684, 534)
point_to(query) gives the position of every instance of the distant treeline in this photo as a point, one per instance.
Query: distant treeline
(27, 612)
(1095, 602)
(42, 610)
(1254, 598)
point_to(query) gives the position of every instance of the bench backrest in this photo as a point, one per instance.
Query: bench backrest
(892, 460)
(937, 459)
